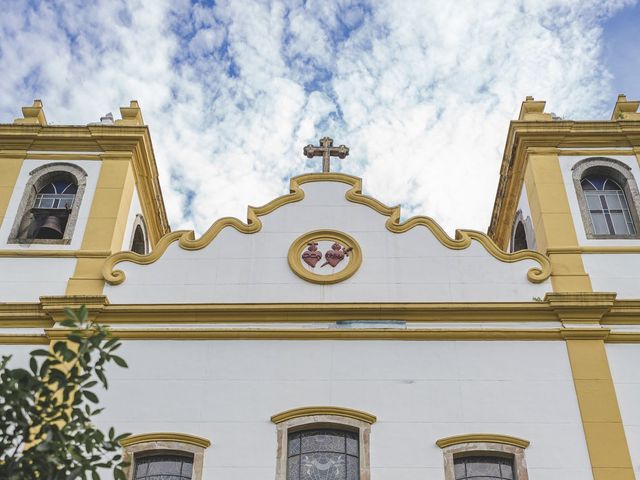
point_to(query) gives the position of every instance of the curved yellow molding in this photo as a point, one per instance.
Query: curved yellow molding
(311, 411)
(186, 238)
(165, 437)
(482, 438)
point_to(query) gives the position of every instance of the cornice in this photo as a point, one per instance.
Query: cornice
(451, 334)
(482, 438)
(165, 437)
(323, 410)
(463, 238)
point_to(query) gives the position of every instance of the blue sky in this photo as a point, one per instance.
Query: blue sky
(421, 91)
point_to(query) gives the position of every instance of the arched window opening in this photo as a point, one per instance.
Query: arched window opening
(323, 453)
(165, 455)
(169, 466)
(487, 467)
(139, 244)
(519, 238)
(608, 198)
(608, 206)
(52, 205)
(329, 443)
(484, 456)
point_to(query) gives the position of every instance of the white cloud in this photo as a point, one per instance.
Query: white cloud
(422, 91)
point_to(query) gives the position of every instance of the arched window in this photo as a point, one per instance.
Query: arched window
(519, 238)
(608, 206)
(323, 443)
(139, 241)
(522, 234)
(608, 198)
(484, 456)
(50, 204)
(167, 456)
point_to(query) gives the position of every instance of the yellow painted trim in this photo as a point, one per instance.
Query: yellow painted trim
(332, 312)
(56, 253)
(482, 438)
(323, 334)
(593, 153)
(165, 437)
(294, 256)
(186, 238)
(361, 334)
(598, 249)
(23, 339)
(322, 410)
(599, 410)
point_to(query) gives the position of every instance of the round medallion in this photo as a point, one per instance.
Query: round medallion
(325, 256)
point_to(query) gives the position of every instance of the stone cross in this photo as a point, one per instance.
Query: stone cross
(326, 150)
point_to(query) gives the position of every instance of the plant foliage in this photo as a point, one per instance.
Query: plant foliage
(46, 430)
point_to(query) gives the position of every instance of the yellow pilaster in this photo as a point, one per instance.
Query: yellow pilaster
(553, 222)
(10, 166)
(106, 224)
(603, 429)
(601, 420)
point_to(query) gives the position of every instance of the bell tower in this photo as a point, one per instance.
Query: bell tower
(70, 196)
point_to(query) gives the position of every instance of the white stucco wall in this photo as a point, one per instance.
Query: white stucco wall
(614, 273)
(226, 391)
(92, 167)
(409, 267)
(25, 279)
(624, 360)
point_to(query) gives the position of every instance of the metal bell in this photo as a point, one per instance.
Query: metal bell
(51, 228)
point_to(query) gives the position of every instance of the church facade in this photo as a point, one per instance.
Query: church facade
(327, 338)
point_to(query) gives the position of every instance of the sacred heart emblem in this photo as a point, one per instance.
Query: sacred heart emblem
(311, 255)
(334, 256)
(324, 256)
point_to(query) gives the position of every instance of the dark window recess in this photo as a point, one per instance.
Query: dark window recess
(51, 209)
(483, 467)
(163, 467)
(519, 238)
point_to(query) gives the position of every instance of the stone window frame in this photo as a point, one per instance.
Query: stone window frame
(165, 442)
(38, 178)
(139, 222)
(484, 444)
(618, 171)
(310, 418)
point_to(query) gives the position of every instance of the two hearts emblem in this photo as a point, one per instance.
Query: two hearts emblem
(311, 256)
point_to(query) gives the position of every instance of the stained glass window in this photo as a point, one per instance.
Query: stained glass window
(323, 455)
(164, 467)
(607, 206)
(482, 467)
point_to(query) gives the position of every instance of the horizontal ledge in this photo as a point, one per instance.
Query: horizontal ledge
(165, 437)
(56, 253)
(325, 334)
(482, 438)
(323, 410)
